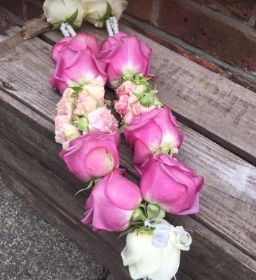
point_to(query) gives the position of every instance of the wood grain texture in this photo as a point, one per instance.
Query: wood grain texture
(225, 227)
(53, 198)
(68, 224)
(220, 199)
(207, 102)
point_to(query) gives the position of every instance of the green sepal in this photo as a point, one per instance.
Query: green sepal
(128, 230)
(57, 26)
(77, 88)
(147, 100)
(108, 13)
(106, 16)
(72, 18)
(154, 211)
(82, 123)
(122, 127)
(139, 215)
(145, 229)
(92, 182)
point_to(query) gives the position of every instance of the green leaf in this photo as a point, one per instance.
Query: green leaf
(108, 13)
(128, 230)
(77, 89)
(57, 26)
(72, 17)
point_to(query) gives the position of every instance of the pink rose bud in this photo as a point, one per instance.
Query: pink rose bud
(112, 202)
(67, 47)
(83, 68)
(154, 132)
(170, 184)
(125, 56)
(92, 155)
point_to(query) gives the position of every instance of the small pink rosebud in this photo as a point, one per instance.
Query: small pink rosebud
(92, 155)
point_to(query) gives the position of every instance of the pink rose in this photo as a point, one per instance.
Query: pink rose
(81, 69)
(67, 47)
(112, 202)
(173, 186)
(153, 132)
(92, 155)
(125, 56)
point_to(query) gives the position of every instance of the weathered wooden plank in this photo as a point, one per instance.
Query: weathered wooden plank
(208, 250)
(207, 102)
(229, 180)
(223, 195)
(90, 242)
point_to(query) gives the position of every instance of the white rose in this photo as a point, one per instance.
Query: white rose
(97, 11)
(145, 260)
(58, 11)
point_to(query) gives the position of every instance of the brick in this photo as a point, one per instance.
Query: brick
(178, 49)
(140, 9)
(208, 33)
(242, 82)
(15, 7)
(5, 24)
(33, 11)
(241, 9)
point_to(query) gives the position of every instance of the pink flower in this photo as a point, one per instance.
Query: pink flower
(67, 47)
(173, 186)
(64, 128)
(101, 119)
(125, 56)
(76, 70)
(153, 132)
(128, 105)
(112, 202)
(92, 155)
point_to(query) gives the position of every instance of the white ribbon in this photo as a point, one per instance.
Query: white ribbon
(162, 232)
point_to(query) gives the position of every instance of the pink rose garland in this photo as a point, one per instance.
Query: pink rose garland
(89, 135)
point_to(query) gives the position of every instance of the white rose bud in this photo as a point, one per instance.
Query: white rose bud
(98, 11)
(58, 11)
(145, 260)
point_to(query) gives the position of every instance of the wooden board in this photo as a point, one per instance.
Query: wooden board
(225, 226)
(205, 101)
(53, 198)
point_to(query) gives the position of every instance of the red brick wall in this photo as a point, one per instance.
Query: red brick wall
(25, 9)
(218, 34)
(223, 29)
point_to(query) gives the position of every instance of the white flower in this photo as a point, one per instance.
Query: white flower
(145, 260)
(58, 11)
(97, 10)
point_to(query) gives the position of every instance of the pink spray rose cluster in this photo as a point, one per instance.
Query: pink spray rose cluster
(128, 104)
(83, 111)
